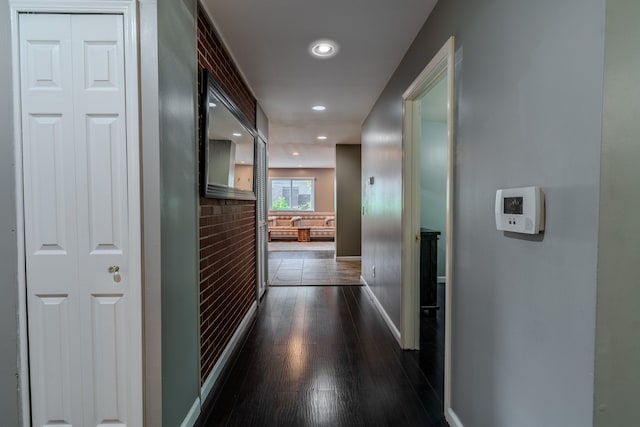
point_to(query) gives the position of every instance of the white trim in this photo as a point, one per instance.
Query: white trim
(225, 357)
(123, 7)
(437, 63)
(410, 311)
(450, 45)
(411, 191)
(152, 260)
(443, 62)
(348, 258)
(452, 418)
(23, 357)
(192, 415)
(392, 327)
(128, 9)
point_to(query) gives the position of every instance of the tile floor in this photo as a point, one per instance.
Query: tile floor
(311, 269)
(293, 246)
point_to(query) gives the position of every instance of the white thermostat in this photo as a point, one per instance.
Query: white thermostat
(520, 210)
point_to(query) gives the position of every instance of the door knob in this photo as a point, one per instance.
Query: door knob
(115, 270)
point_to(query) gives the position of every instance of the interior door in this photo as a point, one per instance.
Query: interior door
(83, 311)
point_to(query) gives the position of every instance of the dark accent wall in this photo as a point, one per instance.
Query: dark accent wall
(227, 227)
(529, 111)
(9, 397)
(213, 56)
(348, 200)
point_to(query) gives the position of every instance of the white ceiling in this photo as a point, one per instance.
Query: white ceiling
(269, 41)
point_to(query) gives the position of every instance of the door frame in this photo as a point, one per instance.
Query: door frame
(128, 10)
(264, 251)
(441, 63)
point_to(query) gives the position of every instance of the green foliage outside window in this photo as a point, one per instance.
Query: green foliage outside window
(279, 204)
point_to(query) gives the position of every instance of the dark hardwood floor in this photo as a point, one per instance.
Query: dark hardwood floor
(322, 356)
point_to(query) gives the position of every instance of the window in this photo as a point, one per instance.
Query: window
(292, 194)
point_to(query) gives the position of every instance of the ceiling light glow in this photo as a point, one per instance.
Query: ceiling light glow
(322, 137)
(295, 153)
(323, 48)
(237, 134)
(319, 107)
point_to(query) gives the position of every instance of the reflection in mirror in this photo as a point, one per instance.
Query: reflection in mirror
(229, 146)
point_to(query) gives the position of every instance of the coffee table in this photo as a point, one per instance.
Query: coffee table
(304, 234)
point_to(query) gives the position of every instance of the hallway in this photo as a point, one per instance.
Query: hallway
(322, 355)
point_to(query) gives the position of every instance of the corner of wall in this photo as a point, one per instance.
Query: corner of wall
(9, 352)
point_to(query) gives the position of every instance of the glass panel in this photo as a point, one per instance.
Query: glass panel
(302, 194)
(280, 194)
(292, 195)
(228, 144)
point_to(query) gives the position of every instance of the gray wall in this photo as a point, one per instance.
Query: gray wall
(348, 199)
(177, 74)
(152, 254)
(433, 184)
(529, 107)
(617, 376)
(8, 252)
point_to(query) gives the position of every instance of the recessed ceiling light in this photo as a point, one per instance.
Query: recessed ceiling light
(322, 137)
(237, 134)
(319, 107)
(323, 48)
(212, 104)
(295, 153)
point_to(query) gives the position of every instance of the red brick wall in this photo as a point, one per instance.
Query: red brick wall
(227, 273)
(227, 227)
(213, 56)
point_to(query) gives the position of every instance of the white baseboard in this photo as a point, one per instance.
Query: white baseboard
(228, 351)
(452, 418)
(348, 258)
(392, 327)
(442, 279)
(192, 416)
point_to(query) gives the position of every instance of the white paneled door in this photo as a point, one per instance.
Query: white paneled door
(83, 305)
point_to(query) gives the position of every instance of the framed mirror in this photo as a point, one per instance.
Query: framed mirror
(228, 145)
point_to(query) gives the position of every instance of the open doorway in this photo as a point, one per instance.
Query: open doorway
(301, 214)
(428, 216)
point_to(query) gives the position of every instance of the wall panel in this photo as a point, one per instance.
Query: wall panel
(8, 238)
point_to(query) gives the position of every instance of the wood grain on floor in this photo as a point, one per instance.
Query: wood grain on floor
(323, 356)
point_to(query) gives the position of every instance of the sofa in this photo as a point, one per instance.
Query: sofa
(284, 225)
